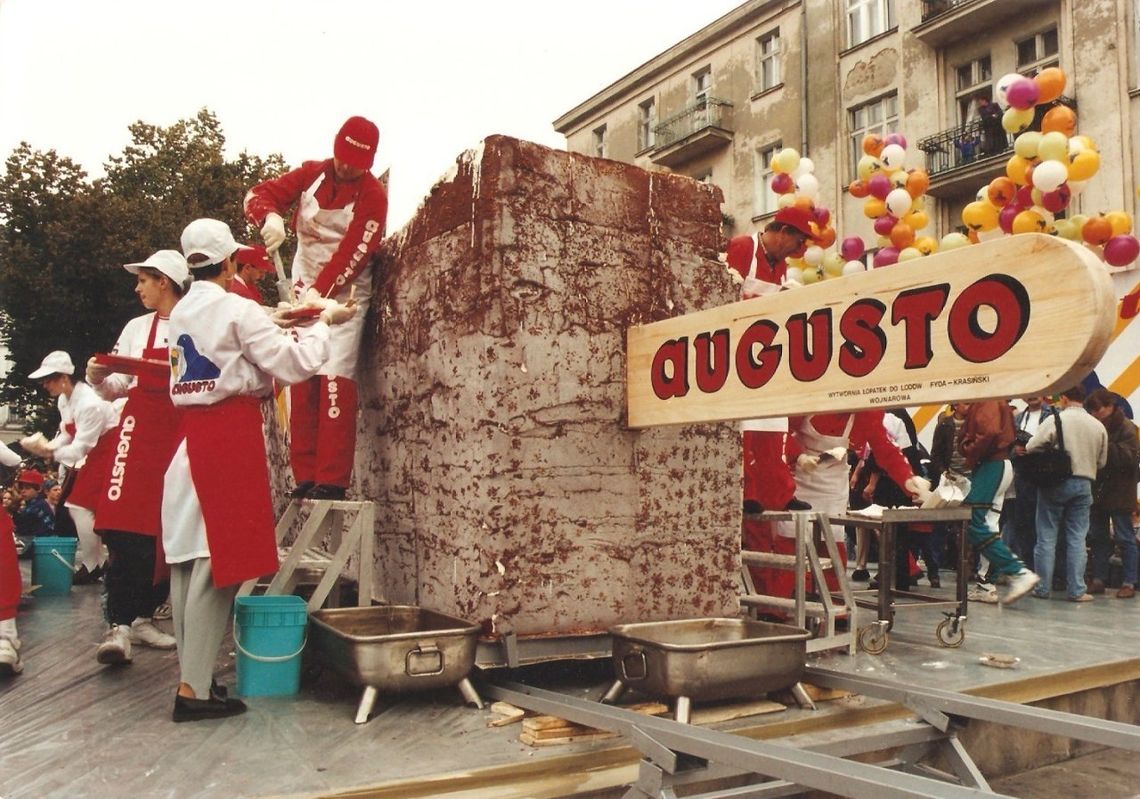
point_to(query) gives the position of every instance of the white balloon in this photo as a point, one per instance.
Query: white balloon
(794, 273)
(853, 267)
(1001, 88)
(807, 186)
(995, 233)
(893, 156)
(806, 167)
(898, 202)
(1048, 175)
(813, 255)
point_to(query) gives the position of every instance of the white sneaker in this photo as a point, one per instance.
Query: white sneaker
(1021, 584)
(116, 646)
(983, 592)
(10, 663)
(163, 612)
(144, 632)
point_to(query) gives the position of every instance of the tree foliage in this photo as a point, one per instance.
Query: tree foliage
(65, 237)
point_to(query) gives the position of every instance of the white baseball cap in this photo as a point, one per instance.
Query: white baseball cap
(54, 363)
(168, 262)
(211, 238)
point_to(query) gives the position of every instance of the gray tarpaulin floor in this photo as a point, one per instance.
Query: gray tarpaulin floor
(70, 727)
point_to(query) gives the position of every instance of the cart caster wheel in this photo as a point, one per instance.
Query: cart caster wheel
(950, 633)
(873, 639)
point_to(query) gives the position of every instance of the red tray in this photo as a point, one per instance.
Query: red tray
(126, 365)
(303, 312)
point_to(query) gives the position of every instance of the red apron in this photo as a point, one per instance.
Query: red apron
(144, 442)
(9, 569)
(89, 480)
(228, 464)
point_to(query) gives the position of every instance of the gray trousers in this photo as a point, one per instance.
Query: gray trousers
(201, 613)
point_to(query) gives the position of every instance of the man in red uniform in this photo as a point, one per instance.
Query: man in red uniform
(252, 263)
(340, 216)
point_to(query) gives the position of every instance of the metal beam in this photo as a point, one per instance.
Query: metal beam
(810, 769)
(1052, 722)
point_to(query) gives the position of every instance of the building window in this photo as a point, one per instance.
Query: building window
(1037, 52)
(879, 116)
(972, 79)
(702, 82)
(768, 61)
(600, 141)
(763, 198)
(868, 18)
(646, 121)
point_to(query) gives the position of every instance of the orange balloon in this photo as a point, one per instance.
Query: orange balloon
(902, 235)
(1059, 118)
(858, 189)
(916, 220)
(873, 208)
(1050, 83)
(826, 237)
(1121, 222)
(872, 145)
(1029, 222)
(1097, 231)
(917, 182)
(1016, 169)
(972, 235)
(805, 204)
(1001, 191)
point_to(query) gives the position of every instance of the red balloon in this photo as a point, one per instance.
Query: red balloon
(1121, 250)
(885, 257)
(885, 224)
(879, 185)
(895, 138)
(858, 189)
(1057, 200)
(1023, 94)
(782, 183)
(1006, 216)
(822, 216)
(1024, 197)
(852, 248)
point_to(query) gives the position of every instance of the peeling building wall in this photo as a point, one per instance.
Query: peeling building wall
(508, 489)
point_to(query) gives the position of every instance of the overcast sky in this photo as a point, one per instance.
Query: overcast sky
(436, 76)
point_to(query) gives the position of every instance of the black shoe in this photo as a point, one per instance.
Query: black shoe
(752, 506)
(218, 690)
(216, 707)
(797, 504)
(84, 577)
(860, 575)
(935, 582)
(326, 491)
(302, 490)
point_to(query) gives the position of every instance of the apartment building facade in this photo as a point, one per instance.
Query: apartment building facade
(818, 75)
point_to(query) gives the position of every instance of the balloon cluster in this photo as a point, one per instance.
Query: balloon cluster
(794, 184)
(894, 199)
(1047, 169)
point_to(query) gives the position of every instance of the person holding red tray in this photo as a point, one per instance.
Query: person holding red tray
(129, 511)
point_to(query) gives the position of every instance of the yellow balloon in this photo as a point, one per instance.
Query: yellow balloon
(927, 244)
(1015, 169)
(1026, 144)
(811, 275)
(917, 220)
(796, 263)
(980, 215)
(952, 241)
(1029, 222)
(868, 166)
(1084, 165)
(833, 264)
(873, 208)
(909, 254)
(898, 179)
(1121, 222)
(1015, 120)
(1054, 146)
(784, 200)
(1067, 229)
(786, 160)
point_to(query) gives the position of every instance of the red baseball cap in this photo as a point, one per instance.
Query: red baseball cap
(254, 255)
(30, 477)
(795, 217)
(356, 143)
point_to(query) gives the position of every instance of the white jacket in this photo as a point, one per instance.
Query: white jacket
(132, 341)
(92, 417)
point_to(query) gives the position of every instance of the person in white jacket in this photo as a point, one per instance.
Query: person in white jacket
(217, 514)
(83, 447)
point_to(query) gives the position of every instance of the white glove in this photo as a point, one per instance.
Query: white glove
(807, 463)
(37, 444)
(918, 487)
(837, 453)
(96, 372)
(273, 232)
(281, 315)
(316, 299)
(337, 314)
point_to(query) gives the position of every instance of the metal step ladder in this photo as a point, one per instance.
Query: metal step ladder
(811, 528)
(333, 531)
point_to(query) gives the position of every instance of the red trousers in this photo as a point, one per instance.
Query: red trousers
(767, 478)
(322, 430)
(762, 537)
(9, 570)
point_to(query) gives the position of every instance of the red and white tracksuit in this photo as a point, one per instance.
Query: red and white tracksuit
(84, 446)
(339, 225)
(243, 289)
(9, 565)
(224, 355)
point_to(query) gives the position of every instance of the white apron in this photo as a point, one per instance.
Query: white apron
(826, 488)
(320, 232)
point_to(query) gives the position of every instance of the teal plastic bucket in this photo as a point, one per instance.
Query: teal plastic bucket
(53, 560)
(269, 633)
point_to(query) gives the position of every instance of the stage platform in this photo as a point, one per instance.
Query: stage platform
(70, 727)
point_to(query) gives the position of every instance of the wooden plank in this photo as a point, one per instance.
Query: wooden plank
(820, 694)
(530, 740)
(1024, 315)
(534, 723)
(509, 714)
(737, 710)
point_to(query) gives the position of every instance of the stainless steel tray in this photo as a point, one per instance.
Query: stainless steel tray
(710, 658)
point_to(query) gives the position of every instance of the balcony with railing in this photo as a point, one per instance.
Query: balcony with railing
(965, 154)
(701, 128)
(946, 21)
